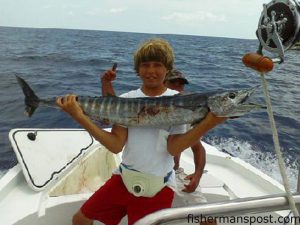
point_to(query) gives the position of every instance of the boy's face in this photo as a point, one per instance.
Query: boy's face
(152, 73)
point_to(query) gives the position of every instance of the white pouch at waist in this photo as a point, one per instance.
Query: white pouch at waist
(141, 184)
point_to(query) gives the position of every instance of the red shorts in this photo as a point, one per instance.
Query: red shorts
(112, 202)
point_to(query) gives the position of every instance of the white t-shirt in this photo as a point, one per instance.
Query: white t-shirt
(146, 147)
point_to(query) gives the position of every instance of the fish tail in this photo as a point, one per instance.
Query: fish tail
(31, 100)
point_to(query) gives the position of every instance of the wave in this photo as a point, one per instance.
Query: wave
(264, 161)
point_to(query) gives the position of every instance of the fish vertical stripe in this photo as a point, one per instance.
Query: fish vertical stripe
(108, 105)
(101, 107)
(86, 104)
(132, 107)
(93, 105)
(125, 108)
(118, 106)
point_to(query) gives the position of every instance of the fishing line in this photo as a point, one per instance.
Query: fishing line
(263, 65)
(278, 152)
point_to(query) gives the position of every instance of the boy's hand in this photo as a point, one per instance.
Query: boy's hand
(109, 75)
(70, 105)
(213, 120)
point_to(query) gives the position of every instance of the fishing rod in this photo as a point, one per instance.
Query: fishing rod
(278, 31)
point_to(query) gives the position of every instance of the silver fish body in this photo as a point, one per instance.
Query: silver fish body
(167, 110)
(154, 111)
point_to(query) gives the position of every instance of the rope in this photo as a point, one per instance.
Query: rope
(278, 152)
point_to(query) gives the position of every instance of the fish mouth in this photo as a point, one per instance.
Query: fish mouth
(245, 96)
(235, 103)
(256, 105)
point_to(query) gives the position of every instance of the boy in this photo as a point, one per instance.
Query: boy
(174, 80)
(187, 191)
(147, 158)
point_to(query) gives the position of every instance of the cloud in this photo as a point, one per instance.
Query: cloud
(118, 10)
(199, 16)
(46, 6)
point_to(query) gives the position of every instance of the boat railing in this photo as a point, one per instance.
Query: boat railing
(236, 207)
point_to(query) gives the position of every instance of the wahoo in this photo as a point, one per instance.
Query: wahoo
(153, 111)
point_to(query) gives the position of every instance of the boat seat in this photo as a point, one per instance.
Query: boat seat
(214, 189)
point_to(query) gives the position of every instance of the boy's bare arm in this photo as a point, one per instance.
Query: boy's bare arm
(179, 142)
(114, 141)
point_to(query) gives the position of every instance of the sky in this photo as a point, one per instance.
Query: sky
(221, 18)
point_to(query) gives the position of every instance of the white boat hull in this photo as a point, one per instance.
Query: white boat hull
(227, 178)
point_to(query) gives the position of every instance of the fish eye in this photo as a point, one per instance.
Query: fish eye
(231, 95)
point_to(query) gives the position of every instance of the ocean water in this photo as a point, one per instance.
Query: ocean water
(58, 61)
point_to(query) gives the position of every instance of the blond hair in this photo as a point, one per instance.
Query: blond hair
(155, 49)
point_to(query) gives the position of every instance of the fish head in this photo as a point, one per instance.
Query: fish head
(232, 103)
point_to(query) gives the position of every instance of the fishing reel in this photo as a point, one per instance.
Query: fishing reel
(279, 27)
